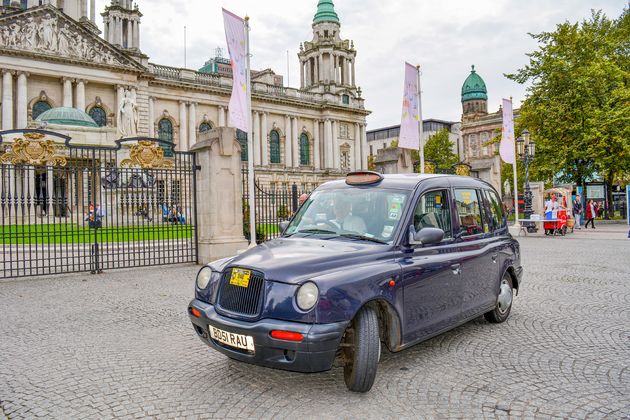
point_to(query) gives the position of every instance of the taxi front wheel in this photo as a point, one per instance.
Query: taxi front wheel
(361, 349)
(504, 301)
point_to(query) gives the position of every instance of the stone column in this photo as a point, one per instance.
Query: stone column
(21, 101)
(7, 100)
(264, 137)
(129, 39)
(221, 116)
(219, 195)
(295, 138)
(49, 204)
(335, 142)
(84, 8)
(328, 145)
(316, 157)
(332, 67)
(288, 153)
(353, 74)
(302, 70)
(93, 11)
(183, 143)
(136, 34)
(151, 117)
(364, 147)
(320, 70)
(357, 146)
(106, 29)
(120, 91)
(80, 95)
(67, 92)
(256, 151)
(192, 124)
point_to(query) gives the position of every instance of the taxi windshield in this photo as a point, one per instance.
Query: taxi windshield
(354, 213)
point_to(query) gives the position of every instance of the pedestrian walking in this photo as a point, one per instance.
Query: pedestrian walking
(591, 212)
(577, 211)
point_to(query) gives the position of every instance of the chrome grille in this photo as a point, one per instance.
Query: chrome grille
(241, 300)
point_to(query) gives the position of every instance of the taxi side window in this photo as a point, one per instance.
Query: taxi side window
(469, 212)
(433, 210)
(495, 207)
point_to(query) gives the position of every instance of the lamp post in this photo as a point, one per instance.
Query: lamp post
(526, 150)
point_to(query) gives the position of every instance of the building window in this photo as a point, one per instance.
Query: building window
(99, 116)
(274, 146)
(241, 136)
(344, 131)
(345, 157)
(165, 132)
(205, 126)
(371, 154)
(39, 108)
(345, 99)
(305, 150)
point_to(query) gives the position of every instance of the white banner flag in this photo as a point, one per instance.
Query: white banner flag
(507, 146)
(409, 137)
(235, 36)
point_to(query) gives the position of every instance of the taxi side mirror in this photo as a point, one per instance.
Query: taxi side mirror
(283, 225)
(425, 236)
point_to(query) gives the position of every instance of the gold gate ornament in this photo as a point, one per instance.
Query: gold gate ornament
(32, 150)
(147, 155)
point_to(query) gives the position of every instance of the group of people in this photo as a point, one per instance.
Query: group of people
(173, 214)
(593, 209)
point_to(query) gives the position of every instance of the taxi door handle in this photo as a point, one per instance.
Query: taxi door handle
(457, 268)
(494, 258)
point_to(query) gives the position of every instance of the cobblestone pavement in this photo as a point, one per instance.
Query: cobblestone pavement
(120, 345)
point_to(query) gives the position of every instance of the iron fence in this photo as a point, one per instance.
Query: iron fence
(71, 208)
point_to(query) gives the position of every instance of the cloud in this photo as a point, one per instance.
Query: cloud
(445, 37)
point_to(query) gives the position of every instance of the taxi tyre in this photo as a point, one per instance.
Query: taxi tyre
(496, 316)
(362, 346)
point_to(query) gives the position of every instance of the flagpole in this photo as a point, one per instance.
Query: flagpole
(250, 146)
(420, 125)
(517, 224)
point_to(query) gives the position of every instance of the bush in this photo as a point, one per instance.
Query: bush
(283, 212)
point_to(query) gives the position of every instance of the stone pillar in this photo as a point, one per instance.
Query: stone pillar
(136, 34)
(331, 67)
(7, 100)
(296, 142)
(328, 145)
(21, 101)
(264, 133)
(192, 124)
(129, 43)
(288, 153)
(84, 8)
(335, 145)
(353, 74)
(219, 195)
(49, 204)
(302, 67)
(93, 11)
(221, 116)
(80, 95)
(183, 143)
(364, 147)
(151, 117)
(67, 92)
(106, 29)
(357, 147)
(256, 151)
(120, 91)
(320, 65)
(316, 148)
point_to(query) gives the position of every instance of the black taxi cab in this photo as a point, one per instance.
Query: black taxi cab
(367, 262)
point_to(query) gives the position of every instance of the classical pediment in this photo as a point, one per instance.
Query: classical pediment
(47, 32)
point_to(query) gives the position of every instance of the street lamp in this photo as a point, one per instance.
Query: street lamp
(526, 149)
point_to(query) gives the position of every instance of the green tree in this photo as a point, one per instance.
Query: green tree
(439, 150)
(578, 100)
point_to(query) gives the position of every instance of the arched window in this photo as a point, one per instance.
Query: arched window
(165, 132)
(40, 107)
(205, 126)
(274, 146)
(305, 150)
(24, 4)
(345, 99)
(99, 116)
(241, 136)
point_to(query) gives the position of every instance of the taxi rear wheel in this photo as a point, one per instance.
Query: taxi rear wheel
(504, 301)
(361, 348)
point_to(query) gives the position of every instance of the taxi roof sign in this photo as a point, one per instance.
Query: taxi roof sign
(363, 178)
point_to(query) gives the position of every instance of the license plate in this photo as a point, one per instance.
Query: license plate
(245, 342)
(240, 277)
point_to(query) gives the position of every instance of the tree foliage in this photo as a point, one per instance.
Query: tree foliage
(439, 150)
(578, 103)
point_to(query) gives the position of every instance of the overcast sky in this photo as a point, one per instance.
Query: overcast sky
(445, 37)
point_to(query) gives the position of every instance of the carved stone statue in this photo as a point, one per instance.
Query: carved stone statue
(506, 188)
(127, 116)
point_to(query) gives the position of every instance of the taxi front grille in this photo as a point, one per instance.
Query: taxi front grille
(241, 300)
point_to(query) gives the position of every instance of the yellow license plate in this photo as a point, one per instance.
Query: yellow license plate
(240, 277)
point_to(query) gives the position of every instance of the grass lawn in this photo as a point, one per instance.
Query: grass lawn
(66, 233)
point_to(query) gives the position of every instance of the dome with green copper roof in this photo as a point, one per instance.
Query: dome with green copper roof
(474, 87)
(67, 116)
(325, 12)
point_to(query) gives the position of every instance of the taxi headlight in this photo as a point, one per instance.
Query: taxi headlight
(307, 296)
(203, 277)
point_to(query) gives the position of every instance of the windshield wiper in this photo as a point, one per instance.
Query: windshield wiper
(361, 237)
(313, 232)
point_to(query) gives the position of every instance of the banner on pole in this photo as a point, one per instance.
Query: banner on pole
(235, 37)
(409, 137)
(507, 146)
